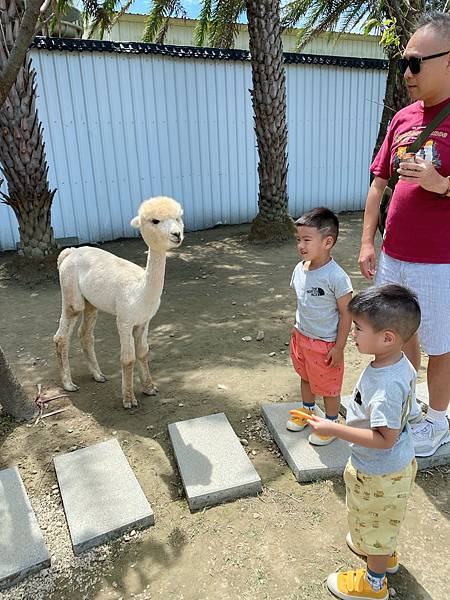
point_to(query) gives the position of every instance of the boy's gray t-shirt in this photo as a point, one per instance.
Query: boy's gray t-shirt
(382, 398)
(317, 314)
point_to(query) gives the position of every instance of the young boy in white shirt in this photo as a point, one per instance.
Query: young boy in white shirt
(381, 470)
(322, 321)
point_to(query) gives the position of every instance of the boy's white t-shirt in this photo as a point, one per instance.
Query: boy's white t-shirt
(317, 291)
(384, 397)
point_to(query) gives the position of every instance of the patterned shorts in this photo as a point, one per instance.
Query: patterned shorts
(376, 507)
(309, 358)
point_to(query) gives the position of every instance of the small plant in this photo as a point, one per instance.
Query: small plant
(389, 38)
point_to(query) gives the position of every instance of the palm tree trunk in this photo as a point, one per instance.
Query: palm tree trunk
(13, 397)
(22, 150)
(273, 222)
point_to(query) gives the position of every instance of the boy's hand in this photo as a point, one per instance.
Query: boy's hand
(335, 356)
(322, 426)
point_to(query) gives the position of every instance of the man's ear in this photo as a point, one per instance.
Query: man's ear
(136, 222)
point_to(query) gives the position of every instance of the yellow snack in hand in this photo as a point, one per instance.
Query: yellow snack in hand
(299, 414)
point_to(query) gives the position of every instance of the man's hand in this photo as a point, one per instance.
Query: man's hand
(335, 356)
(367, 261)
(424, 174)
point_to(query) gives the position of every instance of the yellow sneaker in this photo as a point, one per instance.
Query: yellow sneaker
(393, 564)
(353, 584)
(320, 440)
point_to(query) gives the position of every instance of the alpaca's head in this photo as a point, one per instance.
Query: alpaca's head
(159, 220)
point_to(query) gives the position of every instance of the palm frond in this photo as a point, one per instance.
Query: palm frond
(317, 16)
(223, 25)
(157, 21)
(204, 18)
(99, 17)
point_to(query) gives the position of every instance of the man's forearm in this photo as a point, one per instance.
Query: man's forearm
(372, 210)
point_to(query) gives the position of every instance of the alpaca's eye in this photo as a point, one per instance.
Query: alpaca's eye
(155, 221)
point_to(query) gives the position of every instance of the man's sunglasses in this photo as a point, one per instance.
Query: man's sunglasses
(414, 62)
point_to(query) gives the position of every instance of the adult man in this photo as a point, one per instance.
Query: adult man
(416, 243)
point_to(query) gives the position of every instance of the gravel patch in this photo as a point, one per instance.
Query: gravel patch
(67, 571)
(257, 430)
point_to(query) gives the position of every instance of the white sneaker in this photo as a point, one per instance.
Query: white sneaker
(427, 438)
(300, 424)
(320, 440)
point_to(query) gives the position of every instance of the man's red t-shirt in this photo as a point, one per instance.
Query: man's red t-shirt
(418, 222)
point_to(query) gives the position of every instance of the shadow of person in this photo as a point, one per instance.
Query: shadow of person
(407, 587)
(435, 484)
(195, 467)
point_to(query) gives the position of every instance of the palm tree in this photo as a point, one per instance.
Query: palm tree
(217, 24)
(317, 16)
(22, 149)
(11, 64)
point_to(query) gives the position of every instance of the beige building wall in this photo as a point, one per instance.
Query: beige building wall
(130, 28)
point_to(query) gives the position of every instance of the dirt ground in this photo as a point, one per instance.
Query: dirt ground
(280, 545)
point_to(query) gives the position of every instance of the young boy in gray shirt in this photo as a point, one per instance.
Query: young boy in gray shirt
(322, 321)
(381, 470)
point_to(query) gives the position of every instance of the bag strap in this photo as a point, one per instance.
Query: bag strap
(417, 143)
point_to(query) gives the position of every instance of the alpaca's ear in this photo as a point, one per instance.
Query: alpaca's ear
(136, 222)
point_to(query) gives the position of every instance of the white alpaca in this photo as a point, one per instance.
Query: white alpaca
(93, 279)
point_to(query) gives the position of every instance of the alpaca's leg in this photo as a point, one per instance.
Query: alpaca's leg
(127, 359)
(141, 345)
(86, 333)
(67, 322)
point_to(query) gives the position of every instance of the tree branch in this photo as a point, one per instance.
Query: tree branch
(18, 52)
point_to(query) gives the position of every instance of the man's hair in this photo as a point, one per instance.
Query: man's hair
(323, 219)
(388, 306)
(439, 21)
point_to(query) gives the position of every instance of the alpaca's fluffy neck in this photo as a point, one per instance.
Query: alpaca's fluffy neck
(154, 275)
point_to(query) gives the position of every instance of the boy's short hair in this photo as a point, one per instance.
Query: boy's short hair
(388, 306)
(323, 219)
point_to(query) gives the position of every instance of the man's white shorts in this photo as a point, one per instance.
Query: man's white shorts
(431, 283)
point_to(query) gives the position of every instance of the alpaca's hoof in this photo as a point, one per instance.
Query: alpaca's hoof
(70, 387)
(99, 377)
(150, 390)
(130, 403)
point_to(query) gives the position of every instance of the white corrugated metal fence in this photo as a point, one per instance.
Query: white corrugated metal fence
(122, 127)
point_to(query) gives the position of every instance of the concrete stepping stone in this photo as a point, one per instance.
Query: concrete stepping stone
(442, 454)
(22, 547)
(307, 462)
(213, 465)
(101, 496)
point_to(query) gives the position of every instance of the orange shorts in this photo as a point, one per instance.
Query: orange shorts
(309, 358)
